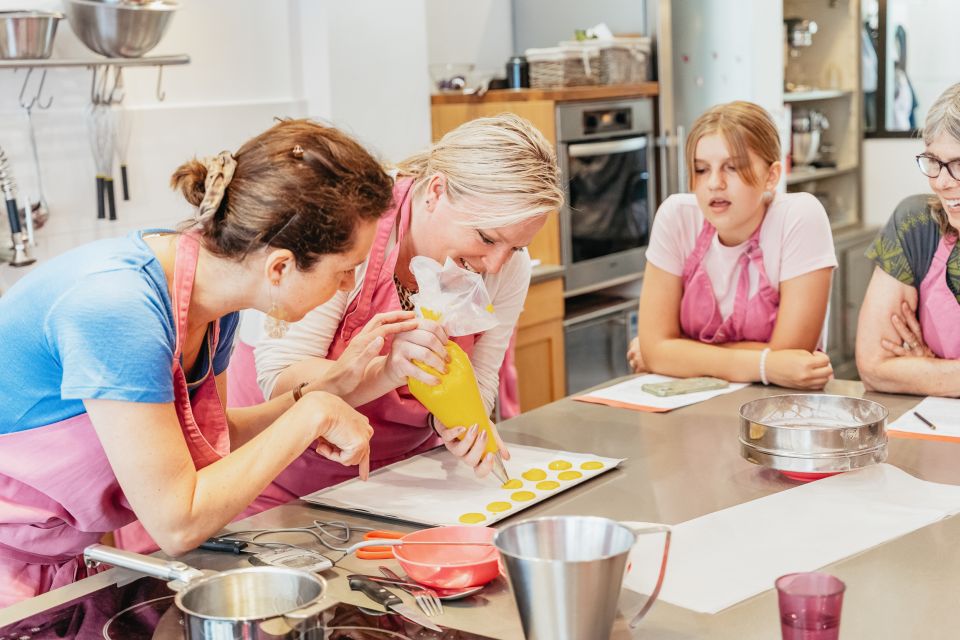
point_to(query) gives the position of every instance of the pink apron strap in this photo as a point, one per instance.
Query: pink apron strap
(751, 255)
(184, 269)
(356, 314)
(704, 238)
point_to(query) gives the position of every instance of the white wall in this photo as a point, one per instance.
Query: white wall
(379, 87)
(479, 32)
(360, 65)
(543, 23)
(890, 174)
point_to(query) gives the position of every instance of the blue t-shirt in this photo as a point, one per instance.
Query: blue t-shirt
(95, 322)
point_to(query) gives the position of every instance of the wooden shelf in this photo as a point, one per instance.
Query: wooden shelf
(557, 94)
(805, 175)
(814, 94)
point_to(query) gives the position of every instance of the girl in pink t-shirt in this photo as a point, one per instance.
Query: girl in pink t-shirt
(737, 279)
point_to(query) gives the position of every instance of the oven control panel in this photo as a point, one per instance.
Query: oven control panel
(607, 121)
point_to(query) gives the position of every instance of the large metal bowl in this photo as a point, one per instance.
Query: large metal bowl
(813, 434)
(27, 35)
(119, 29)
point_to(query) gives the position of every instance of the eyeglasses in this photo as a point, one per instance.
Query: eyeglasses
(931, 167)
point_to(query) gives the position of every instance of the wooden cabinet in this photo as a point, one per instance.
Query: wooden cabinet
(444, 117)
(539, 346)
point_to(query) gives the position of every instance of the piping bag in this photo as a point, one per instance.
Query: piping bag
(457, 299)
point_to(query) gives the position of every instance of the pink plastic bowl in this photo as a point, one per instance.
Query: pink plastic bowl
(450, 567)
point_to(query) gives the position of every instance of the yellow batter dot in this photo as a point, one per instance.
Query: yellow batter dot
(512, 484)
(569, 475)
(535, 474)
(523, 496)
(559, 465)
(472, 518)
(590, 466)
(548, 485)
(497, 507)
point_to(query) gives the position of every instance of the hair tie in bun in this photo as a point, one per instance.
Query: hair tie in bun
(220, 170)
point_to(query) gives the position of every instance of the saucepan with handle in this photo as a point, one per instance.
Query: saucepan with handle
(257, 603)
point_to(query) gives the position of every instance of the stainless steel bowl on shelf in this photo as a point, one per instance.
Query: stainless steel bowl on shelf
(27, 35)
(804, 435)
(119, 28)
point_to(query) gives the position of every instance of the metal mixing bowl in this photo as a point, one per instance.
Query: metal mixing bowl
(812, 433)
(27, 35)
(119, 29)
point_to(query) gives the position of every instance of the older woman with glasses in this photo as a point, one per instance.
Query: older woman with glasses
(908, 335)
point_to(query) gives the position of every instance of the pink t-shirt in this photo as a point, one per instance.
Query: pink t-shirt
(795, 239)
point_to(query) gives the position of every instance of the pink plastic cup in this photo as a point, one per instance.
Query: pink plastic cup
(810, 606)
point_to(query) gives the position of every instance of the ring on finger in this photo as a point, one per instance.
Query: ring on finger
(906, 345)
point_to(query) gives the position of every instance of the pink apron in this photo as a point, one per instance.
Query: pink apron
(59, 494)
(939, 310)
(752, 319)
(399, 420)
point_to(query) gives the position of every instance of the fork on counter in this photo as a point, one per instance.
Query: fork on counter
(426, 598)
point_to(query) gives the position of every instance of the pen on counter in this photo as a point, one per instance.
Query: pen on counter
(925, 421)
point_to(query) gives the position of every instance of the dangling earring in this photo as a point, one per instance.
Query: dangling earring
(275, 324)
(767, 196)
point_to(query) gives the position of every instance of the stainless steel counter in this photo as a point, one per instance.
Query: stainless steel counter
(681, 465)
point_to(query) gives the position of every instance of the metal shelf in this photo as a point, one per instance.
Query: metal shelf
(814, 94)
(805, 175)
(50, 63)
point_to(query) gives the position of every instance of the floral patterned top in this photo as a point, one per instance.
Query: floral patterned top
(905, 246)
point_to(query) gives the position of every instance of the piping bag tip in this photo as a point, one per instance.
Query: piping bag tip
(499, 470)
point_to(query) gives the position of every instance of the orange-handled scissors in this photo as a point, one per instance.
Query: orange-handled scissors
(379, 553)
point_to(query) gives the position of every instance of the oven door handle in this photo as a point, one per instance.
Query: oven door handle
(581, 149)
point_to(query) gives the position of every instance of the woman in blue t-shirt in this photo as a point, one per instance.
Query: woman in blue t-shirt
(112, 389)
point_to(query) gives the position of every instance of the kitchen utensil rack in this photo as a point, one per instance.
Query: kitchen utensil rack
(94, 64)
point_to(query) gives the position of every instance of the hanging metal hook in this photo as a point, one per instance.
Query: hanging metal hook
(98, 84)
(93, 85)
(161, 95)
(102, 85)
(35, 101)
(117, 83)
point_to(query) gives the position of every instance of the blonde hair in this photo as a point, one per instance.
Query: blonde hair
(501, 163)
(745, 127)
(943, 118)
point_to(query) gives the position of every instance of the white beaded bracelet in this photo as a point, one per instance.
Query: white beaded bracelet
(763, 366)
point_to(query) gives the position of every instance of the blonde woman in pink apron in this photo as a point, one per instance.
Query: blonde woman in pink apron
(908, 335)
(738, 276)
(112, 389)
(477, 196)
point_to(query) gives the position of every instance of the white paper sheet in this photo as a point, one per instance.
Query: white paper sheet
(944, 413)
(629, 395)
(728, 556)
(435, 488)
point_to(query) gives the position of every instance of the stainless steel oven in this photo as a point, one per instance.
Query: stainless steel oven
(597, 330)
(605, 151)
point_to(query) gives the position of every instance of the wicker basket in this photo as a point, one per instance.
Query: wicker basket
(564, 66)
(625, 61)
